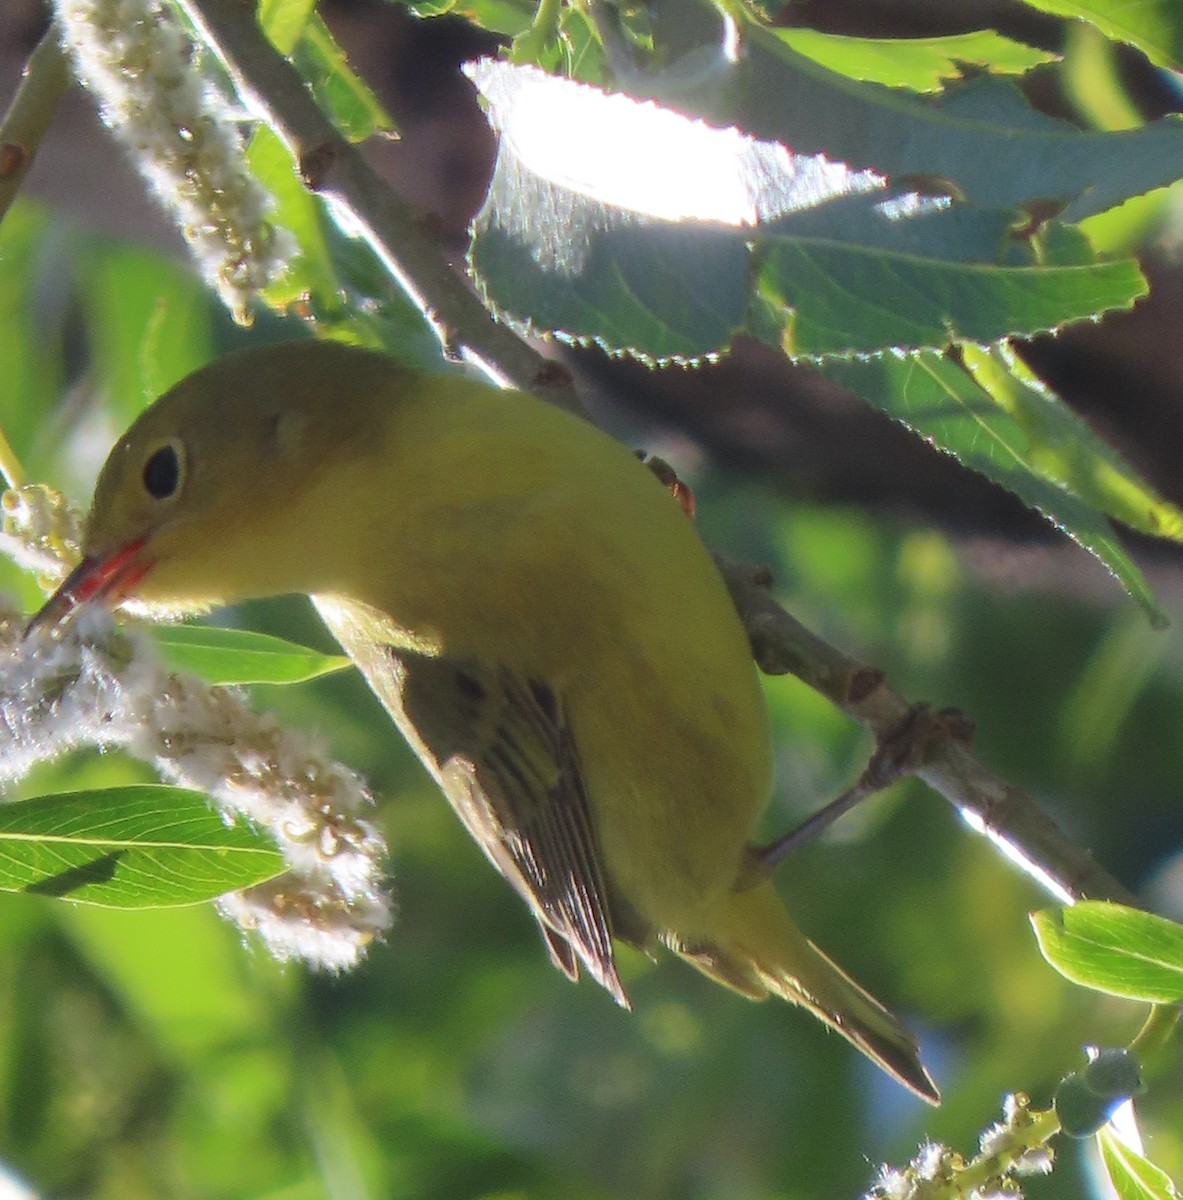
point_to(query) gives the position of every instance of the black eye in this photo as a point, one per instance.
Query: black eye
(162, 472)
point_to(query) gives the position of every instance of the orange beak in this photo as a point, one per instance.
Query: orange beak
(106, 580)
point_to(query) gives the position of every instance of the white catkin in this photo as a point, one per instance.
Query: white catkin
(92, 683)
(935, 1171)
(139, 63)
(892, 1184)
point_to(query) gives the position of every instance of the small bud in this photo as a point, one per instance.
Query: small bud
(1080, 1110)
(1113, 1074)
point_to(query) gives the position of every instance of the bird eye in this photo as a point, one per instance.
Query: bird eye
(162, 472)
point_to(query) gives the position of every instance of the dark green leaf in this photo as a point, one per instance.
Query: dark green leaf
(841, 299)
(1114, 949)
(129, 847)
(239, 656)
(660, 292)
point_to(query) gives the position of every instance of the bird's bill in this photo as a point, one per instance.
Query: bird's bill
(105, 580)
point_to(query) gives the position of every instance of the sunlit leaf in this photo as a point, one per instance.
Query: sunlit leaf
(310, 276)
(1154, 26)
(625, 223)
(240, 656)
(938, 400)
(920, 64)
(1113, 949)
(1064, 450)
(1133, 1176)
(131, 847)
(981, 136)
(283, 21)
(297, 31)
(346, 98)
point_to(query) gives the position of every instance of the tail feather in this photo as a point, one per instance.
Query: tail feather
(754, 948)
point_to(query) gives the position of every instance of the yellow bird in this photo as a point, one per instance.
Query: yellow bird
(535, 612)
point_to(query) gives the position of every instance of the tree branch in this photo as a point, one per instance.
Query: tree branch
(331, 167)
(43, 83)
(1005, 813)
(271, 87)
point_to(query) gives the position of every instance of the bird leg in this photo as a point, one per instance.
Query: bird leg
(903, 747)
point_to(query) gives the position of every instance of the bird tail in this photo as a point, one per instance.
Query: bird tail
(754, 948)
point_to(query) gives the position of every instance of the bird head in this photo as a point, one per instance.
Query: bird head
(210, 496)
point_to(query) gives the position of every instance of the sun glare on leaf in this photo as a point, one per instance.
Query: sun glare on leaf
(641, 157)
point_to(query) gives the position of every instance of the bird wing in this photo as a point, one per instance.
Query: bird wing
(502, 751)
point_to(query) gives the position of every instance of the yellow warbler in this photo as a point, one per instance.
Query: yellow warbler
(535, 612)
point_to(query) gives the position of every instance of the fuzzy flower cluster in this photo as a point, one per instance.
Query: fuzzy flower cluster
(1010, 1149)
(92, 683)
(40, 531)
(138, 61)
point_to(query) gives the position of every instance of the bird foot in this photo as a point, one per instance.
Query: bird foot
(903, 747)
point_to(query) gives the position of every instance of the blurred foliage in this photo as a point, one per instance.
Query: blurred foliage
(149, 1054)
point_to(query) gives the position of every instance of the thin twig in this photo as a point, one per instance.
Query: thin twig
(43, 83)
(331, 167)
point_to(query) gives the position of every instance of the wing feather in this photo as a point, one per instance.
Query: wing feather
(504, 755)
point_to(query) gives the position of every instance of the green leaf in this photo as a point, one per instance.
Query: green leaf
(239, 656)
(284, 21)
(149, 322)
(938, 400)
(921, 64)
(297, 31)
(845, 266)
(1113, 949)
(1154, 26)
(981, 136)
(574, 246)
(179, 970)
(1133, 1176)
(129, 847)
(842, 299)
(1062, 449)
(310, 275)
(345, 97)
(30, 351)
(659, 292)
